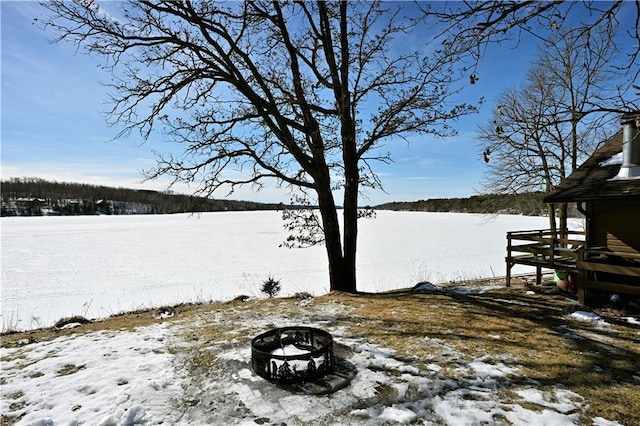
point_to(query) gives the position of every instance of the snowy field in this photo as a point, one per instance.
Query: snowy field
(140, 377)
(96, 266)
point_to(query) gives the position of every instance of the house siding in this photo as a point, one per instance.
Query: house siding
(614, 224)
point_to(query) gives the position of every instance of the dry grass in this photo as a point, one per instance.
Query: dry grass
(126, 321)
(528, 332)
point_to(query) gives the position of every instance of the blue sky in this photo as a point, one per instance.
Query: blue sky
(53, 126)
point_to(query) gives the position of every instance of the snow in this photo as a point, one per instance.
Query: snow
(398, 415)
(97, 266)
(614, 160)
(292, 350)
(139, 377)
(585, 316)
(473, 407)
(599, 421)
(102, 378)
(427, 287)
(483, 369)
(55, 267)
(289, 350)
(560, 400)
(472, 289)
(631, 320)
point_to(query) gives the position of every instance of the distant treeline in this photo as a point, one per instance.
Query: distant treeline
(36, 197)
(530, 204)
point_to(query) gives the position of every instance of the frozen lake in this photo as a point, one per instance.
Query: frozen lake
(96, 266)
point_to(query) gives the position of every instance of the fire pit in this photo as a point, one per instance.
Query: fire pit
(292, 354)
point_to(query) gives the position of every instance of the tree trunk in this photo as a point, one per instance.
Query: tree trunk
(350, 215)
(347, 281)
(341, 273)
(552, 219)
(563, 227)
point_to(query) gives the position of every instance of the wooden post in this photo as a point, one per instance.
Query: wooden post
(582, 275)
(552, 246)
(508, 275)
(580, 295)
(538, 275)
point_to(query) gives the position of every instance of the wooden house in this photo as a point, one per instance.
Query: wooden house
(606, 188)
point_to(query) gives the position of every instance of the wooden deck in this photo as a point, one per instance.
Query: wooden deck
(543, 249)
(598, 268)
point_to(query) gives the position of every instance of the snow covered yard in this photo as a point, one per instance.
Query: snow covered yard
(97, 266)
(503, 356)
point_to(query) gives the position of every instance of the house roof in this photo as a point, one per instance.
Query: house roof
(593, 180)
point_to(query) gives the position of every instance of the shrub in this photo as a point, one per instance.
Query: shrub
(271, 287)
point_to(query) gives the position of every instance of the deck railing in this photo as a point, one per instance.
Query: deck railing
(543, 248)
(597, 267)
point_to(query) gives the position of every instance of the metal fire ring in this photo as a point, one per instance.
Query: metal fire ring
(289, 355)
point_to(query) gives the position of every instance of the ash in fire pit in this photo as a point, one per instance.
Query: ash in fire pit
(300, 358)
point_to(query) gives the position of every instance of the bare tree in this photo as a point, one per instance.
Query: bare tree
(475, 24)
(540, 132)
(301, 92)
(523, 144)
(578, 64)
